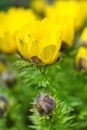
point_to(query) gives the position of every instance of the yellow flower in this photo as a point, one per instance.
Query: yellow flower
(68, 32)
(81, 58)
(75, 12)
(67, 23)
(40, 42)
(12, 21)
(8, 44)
(83, 7)
(83, 37)
(18, 17)
(51, 12)
(71, 9)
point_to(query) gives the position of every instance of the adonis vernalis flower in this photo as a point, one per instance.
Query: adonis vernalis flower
(11, 21)
(40, 42)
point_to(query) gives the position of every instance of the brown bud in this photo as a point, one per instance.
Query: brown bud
(44, 104)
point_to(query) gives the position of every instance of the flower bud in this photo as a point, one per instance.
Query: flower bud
(9, 79)
(81, 59)
(81, 64)
(83, 38)
(3, 105)
(44, 104)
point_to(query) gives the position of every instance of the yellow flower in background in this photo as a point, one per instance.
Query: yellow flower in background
(50, 11)
(68, 27)
(68, 32)
(40, 42)
(83, 5)
(13, 20)
(8, 44)
(83, 37)
(18, 17)
(71, 9)
(81, 58)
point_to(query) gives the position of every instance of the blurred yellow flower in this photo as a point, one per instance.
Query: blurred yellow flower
(40, 42)
(11, 21)
(83, 37)
(68, 29)
(68, 32)
(81, 58)
(83, 5)
(18, 17)
(72, 9)
(8, 44)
